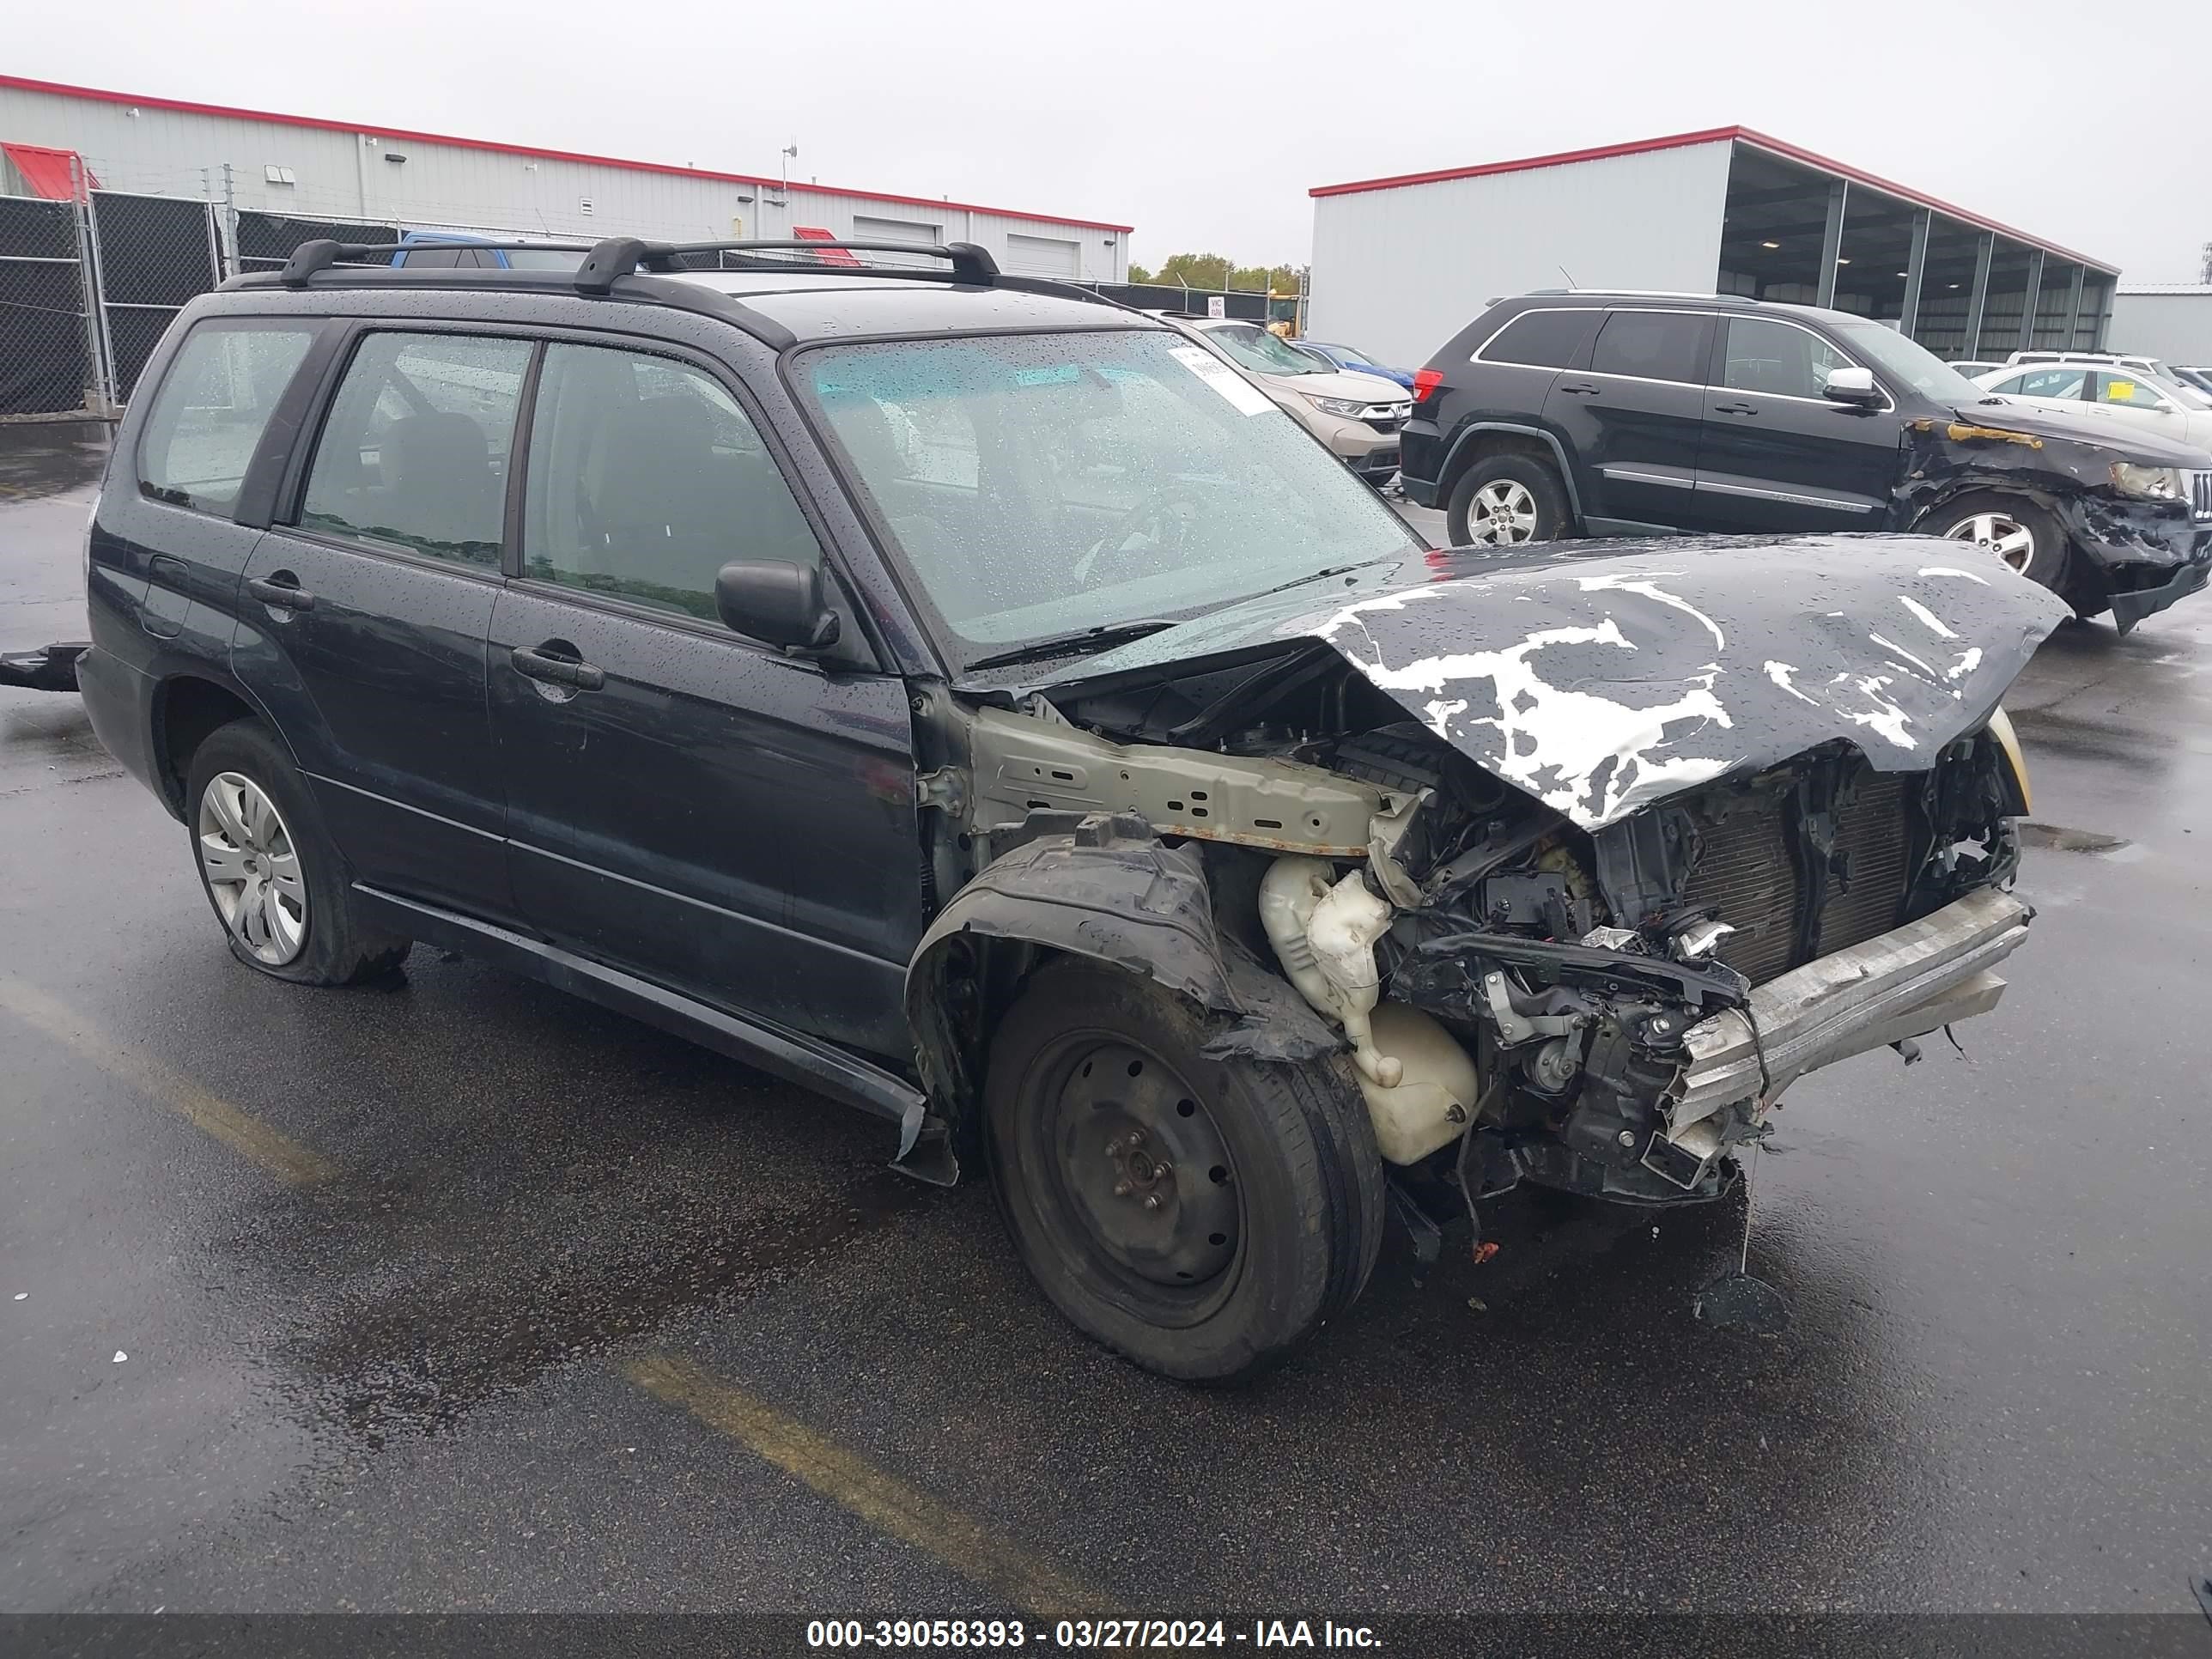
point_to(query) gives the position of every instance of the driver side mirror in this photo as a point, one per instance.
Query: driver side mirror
(1852, 385)
(785, 603)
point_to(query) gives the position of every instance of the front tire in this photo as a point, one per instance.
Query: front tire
(1204, 1218)
(1506, 501)
(2016, 533)
(274, 878)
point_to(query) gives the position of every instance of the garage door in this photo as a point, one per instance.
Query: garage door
(896, 230)
(1044, 256)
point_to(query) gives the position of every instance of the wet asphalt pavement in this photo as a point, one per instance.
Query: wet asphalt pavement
(461, 1294)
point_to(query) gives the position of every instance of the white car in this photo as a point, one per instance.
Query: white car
(2108, 391)
(1358, 416)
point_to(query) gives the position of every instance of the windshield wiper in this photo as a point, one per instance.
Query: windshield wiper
(1322, 575)
(1071, 645)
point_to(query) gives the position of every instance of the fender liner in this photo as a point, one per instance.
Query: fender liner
(1558, 453)
(1105, 887)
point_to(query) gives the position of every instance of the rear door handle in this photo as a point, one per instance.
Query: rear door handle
(537, 665)
(1584, 390)
(281, 590)
(1735, 409)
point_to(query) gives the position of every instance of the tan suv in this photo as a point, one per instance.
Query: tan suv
(1358, 416)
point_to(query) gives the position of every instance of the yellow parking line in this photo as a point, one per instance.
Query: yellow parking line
(882, 1500)
(274, 1150)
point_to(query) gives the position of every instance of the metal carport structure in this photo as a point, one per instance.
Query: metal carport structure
(1724, 210)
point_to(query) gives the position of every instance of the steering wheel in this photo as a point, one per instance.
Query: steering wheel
(1168, 515)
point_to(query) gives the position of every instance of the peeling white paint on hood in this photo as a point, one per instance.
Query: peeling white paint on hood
(1622, 686)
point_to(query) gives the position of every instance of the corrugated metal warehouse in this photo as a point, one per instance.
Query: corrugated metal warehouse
(2169, 321)
(306, 166)
(1401, 264)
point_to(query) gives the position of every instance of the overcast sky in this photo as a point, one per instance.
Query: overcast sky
(1206, 135)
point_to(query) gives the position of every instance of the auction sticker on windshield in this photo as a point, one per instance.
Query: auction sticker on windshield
(1240, 391)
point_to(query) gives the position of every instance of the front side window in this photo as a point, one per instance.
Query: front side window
(2128, 389)
(1541, 339)
(1652, 345)
(207, 419)
(414, 454)
(1039, 485)
(1776, 359)
(645, 479)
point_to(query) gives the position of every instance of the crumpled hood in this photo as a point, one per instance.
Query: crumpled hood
(1602, 677)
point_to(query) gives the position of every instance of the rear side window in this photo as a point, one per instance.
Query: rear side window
(2065, 383)
(645, 479)
(415, 452)
(1541, 339)
(208, 417)
(1652, 345)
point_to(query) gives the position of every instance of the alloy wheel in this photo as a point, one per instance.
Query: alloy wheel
(1503, 514)
(252, 868)
(1999, 533)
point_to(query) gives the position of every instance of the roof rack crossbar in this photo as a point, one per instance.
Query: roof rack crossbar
(308, 258)
(619, 256)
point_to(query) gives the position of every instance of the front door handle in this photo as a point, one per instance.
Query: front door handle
(538, 664)
(1735, 409)
(1583, 390)
(281, 590)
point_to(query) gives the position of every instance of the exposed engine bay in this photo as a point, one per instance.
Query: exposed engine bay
(1610, 1010)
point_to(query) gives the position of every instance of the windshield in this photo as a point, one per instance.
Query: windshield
(1904, 359)
(1262, 353)
(1043, 484)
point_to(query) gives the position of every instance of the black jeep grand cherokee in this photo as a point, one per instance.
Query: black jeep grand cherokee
(1566, 413)
(975, 700)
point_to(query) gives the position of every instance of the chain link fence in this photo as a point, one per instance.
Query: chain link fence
(49, 356)
(88, 286)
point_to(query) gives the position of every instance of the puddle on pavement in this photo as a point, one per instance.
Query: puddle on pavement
(2059, 838)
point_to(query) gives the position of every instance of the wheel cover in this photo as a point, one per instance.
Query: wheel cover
(1503, 514)
(1999, 533)
(1139, 1177)
(253, 869)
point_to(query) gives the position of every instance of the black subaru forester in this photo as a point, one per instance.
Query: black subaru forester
(977, 701)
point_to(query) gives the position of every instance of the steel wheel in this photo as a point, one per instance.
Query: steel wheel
(1141, 1182)
(1502, 514)
(252, 868)
(1999, 533)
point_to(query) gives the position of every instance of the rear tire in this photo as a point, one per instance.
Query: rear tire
(1507, 501)
(274, 878)
(1204, 1218)
(2009, 528)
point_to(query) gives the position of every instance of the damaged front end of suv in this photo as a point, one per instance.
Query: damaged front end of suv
(1580, 859)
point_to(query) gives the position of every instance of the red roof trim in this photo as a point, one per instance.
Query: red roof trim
(1714, 136)
(22, 84)
(1603, 152)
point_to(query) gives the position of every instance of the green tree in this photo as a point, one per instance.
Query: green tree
(1216, 272)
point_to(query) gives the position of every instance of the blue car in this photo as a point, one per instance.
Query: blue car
(416, 257)
(1338, 357)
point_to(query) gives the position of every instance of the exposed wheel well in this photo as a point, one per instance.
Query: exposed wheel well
(185, 711)
(1484, 444)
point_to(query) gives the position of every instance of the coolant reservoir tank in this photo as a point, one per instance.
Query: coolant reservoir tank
(1418, 1116)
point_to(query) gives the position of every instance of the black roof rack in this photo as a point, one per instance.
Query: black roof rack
(619, 256)
(309, 257)
(604, 262)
